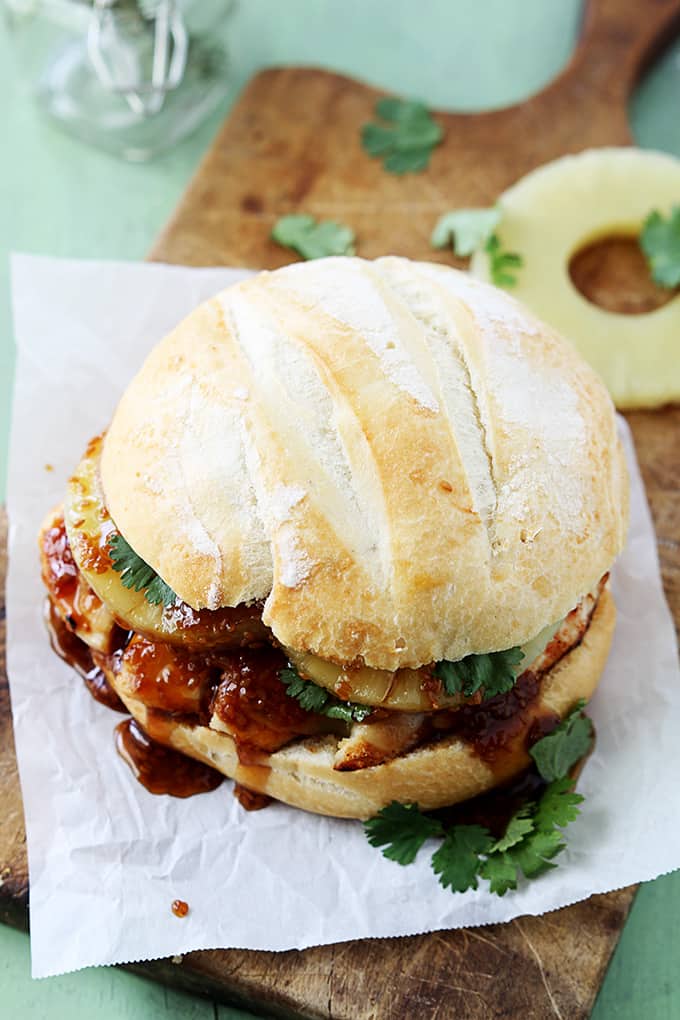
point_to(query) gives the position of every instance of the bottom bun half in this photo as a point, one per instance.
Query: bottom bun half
(440, 773)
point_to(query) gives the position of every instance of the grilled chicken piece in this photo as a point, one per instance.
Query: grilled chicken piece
(374, 743)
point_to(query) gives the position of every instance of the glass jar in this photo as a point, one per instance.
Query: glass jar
(131, 76)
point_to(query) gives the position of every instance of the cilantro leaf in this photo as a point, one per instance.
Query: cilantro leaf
(310, 696)
(500, 872)
(493, 672)
(500, 262)
(348, 711)
(135, 573)
(313, 239)
(660, 241)
(534, 854)
(519, 826)
(465, 230)
(317, 699)
(377, 139)
(405, 142)
(407, 162)
(401, 829)
(456, 862)
(446, 672)
(558, 805)
(568, 743)
(533, 838)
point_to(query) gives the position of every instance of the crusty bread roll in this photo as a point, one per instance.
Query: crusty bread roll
(442, 772)
(400, 459)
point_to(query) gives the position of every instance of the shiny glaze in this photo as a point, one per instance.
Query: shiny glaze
(59, 572)
(161, 769)
(93, 551)
(249, 799)
(169, 678)
(67, 645)
(69, 590)
(252, 703)
(88, 664)
(242, 688)
(230, 626)
(97, 684)
(498, 727)
(179, 908)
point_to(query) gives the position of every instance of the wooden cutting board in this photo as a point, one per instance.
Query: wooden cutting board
(292, 143)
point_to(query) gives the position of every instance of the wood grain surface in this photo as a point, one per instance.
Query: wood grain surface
(13, 862)
(291, 143)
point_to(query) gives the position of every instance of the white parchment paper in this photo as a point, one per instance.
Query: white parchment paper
(107, 858)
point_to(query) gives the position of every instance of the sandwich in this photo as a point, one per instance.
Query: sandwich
(347, 538)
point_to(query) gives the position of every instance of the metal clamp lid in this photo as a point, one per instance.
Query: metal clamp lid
(117, 46)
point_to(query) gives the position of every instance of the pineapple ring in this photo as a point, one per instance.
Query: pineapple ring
(559, 209)
(89, 525)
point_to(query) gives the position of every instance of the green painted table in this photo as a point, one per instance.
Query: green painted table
(61, 198)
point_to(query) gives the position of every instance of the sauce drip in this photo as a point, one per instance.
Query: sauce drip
(249, 799)
(76, 654)
(161, 769)
(102, 691)
(180, 908)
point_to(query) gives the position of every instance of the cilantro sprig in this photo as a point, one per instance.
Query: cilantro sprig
(311, 238)
(465, 230)
(135, 573)
(313, 698)
(533, 836)
(660, 242)
(492, 673)
(502, 263)
(404, 136)
(471, 230)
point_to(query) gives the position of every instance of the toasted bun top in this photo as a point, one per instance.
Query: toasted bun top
(400, 459)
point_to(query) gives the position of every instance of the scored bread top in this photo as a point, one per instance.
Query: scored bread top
(400, 459)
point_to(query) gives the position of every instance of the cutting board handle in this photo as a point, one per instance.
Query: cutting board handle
(619, 39)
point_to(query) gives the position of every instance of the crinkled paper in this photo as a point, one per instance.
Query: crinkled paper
(107, 858)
